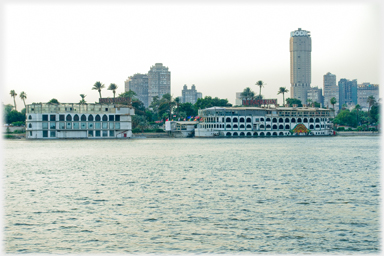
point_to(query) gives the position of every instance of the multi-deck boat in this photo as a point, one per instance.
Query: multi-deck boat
(264, 121)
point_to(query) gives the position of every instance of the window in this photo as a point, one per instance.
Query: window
(30, 133)
(97, 126)
(97, 133)
(111, 125)
(45, 117)
(29, 117)
(111, 118)
(105, 118)
(83, 118)
(76, 118)
(61, 118)
(90, 126)
(52, 118)
(111, 133)
(69, 125)
(45, 134)
(105, 125)
(62, 125)
(69, 118)
(83, 125)
(45, 125)
(90, 133)
(106, 109)
(53, 134)
(105, 133)
(117, 125)
(90, 118)
(97, 118)
(52, 125)
(30, 126)
(75, 126)
(117, 118)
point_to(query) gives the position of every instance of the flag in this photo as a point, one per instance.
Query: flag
(167, 119)
(184, 119)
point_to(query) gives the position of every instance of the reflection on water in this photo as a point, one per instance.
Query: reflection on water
(278, 195)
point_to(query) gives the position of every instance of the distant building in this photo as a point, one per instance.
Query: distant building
(239, 99)
(315, 94)
(330, 90)
(300, 47)
(159, 81)
(139, 84)
(156, 83)
(190, 95)
(347, 92)
(78, 121)
(365, 90)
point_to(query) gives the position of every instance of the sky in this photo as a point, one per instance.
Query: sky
(59, 50)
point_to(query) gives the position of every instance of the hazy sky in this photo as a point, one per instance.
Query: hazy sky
(60, 50)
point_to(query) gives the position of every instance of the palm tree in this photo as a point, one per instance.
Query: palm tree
(357, 107)
(333, 101)
(371, 101)
(14, 94)
(82, 101)
(98, 86)
(309, 101)
(167, 102)
(23, 96)
(282, 90)
(177, 102)
(260, 84)
(113, 87)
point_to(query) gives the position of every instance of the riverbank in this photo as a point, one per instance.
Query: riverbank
(362, 133)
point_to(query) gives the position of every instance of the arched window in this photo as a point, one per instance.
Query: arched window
(268, 134)
(241, 120)
(311, 120)
(261, 119)
(228, 120)
(242, 126)
(242, 134)
(311, 126)
(268, 126)
(305, 120)
(274, 120)
(97, 118)
(261, 126)
(249, 120)
(29, 117)
(235, 134)
(90, 118)
(281, 134)
(317, 120)
(30, 126)
(268, 119)
(235, 126)
(228, 134)
(281, 127)
(293, 120)
(299, 120)
(261, 134)
(274, 134)
(105, 118)
(249, 126)
(287, 120)
(228, 126)
(317, 126)
(83, 117)
(235, 119)
(249, 134)
(76, 118)
(287, 127)
(255, 134)
(281, 120)
(69, 118)
(274, 127)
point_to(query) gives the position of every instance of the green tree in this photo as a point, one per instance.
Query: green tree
(247, 93)
(294, 101)
(166, 105)
(23, 96)
(113, 88)
(188, 109)
(14, 116)
(82, 101)
(357, 109)
(208, 102)
(371, 101)
(282, 90)
(14, 94)
(98, 86)
(333, 101)
(177, 103)
(260, 84)
(309, 101)
(53, 101)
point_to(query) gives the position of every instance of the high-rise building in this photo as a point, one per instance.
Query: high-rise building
(347, 92)
(190, 95)
(156, 83)
(139, 84)
(300, 47)
(365, 90)
(330, 90)
(159, 81)
(315, 94)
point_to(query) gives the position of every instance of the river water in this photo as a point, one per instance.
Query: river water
(179, 196)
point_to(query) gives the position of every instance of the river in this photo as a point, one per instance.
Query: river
(179, 196)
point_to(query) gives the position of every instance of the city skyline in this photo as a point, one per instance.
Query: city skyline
(60, 51)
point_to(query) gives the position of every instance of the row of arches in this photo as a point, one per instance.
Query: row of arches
(255, 134)
(275, 120)
(268, 126)
(90, 118)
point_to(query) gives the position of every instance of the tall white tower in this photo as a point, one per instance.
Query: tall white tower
(300, 47)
